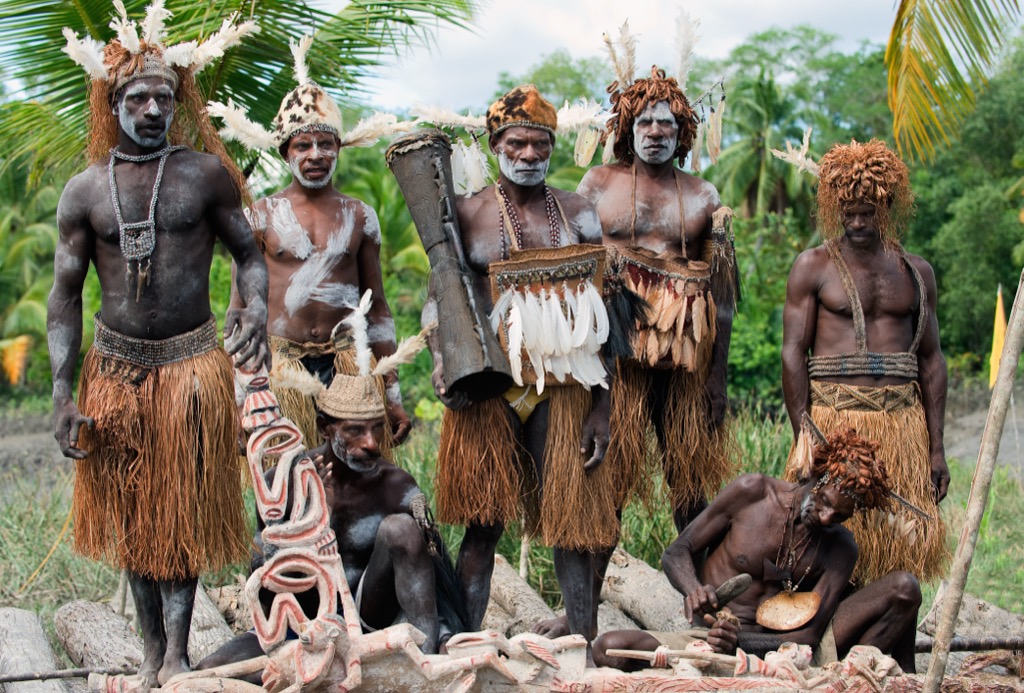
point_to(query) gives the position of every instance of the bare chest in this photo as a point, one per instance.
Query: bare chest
(657, 218)
(886, 290)
(300, 233)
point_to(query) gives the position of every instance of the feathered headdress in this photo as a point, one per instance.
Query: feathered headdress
(307, 107)
(471, 170)
(355, 397)
(630, 96)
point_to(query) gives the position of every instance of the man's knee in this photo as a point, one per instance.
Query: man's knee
(906, 590)
(401, 535)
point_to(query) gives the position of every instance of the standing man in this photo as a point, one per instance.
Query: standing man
(861, 349)
(322, 250)
(661, 218)
(537, 445)
(157, 489)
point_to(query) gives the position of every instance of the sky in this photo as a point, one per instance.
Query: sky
(461, 68)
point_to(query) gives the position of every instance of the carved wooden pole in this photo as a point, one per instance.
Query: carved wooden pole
(950, 606)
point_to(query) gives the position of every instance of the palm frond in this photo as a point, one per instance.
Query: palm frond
(939, 54)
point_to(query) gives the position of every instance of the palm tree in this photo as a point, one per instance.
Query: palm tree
(939, 53)
(50, 121)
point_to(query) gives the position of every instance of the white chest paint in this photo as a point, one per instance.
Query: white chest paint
(309, 283)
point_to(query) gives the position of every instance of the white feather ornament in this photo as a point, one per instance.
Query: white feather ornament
(515, 343)
(153, 24)
(296, 378)
(445, 118)
(182, 54)
(799, 157)
(299, 51)
(627, 41)
(357, 323)
(687, 35)
(238, 127)
(586, 147)
(501, 307)
(406, 351)
(579, 116)
(609, 148)
(127, 32)
(478, 167)
(229, 34)
(368, 130)
(583, 320)
(714, 133)
(698, 144)
(600, 313)
(563, 325)
(86, 52)
(460, 178)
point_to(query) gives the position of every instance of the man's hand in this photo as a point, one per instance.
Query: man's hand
(399, 421)
(457, 401)
(723, 634)
(324, 470)
(245, 337)
(67, 421)
(702, 602)
(940, 475)
(594, 441)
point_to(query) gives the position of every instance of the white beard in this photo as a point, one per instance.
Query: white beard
(128, 125)
(532, 175)
(293, 164)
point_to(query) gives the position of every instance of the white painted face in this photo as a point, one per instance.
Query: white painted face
(146, 110)
(312, 158)
(655, 134)
(525, 173)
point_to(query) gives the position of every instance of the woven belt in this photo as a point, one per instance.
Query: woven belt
(897, 364)
(840, 396)
(155, 352)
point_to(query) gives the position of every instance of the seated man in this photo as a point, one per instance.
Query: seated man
(790, 539)
(389, 549)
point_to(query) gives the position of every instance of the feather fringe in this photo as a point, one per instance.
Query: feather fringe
(609, 148)
(229, 34)
(579, 116)
(86, 52)
(368, 130)
(238, 127)
(299, 51)
(442, 117)
(154, 23)
(182, 54)
(687, 35)
(292, 376)
(714, 132)
(624, 63)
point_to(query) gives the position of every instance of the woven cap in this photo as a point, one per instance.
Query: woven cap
(306, 108)
(150, 65)
(352, 397)
(525, 107)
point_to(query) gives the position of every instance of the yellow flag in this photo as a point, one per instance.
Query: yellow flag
(998, 335)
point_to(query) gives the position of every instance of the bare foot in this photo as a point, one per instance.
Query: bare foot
(149, 669)
(171, 668)
(553, 627)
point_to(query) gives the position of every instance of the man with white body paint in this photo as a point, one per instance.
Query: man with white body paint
(490, 450)
(154, 431)
(322, 250)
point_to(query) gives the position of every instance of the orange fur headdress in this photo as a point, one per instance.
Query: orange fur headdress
(848, 462)
(523, 106)
(630, 102)
(864, 173)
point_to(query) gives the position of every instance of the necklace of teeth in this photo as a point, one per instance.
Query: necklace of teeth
(138, 238)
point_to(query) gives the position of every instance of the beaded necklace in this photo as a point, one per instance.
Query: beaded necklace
(138, 238)
(787, 557)
(507, 217)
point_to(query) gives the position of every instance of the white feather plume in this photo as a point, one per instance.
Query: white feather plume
(698, 145)
(182, 54)
(799, 157)
(238, 127)
(446, 118)
(515, 343)
(299, 51)
(687, 35)
(229, 35)
(627, 42)
(406, 351)
(127, 31)
(86, 52)
(368, 130)
(153, 24)
(609, 148)
(478, 168)
(584, 113)
(714, 132)
(356, 322)
(296, 378)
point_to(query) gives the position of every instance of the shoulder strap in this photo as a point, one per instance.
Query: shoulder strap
(682, 209)
(859, 330)
(565, 221)
(922, 310)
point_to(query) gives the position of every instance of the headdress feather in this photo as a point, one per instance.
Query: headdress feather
(627, 42)
(296, 378)
(86, 52)
(406, 351)
(127, 31)
(799, 157)
(369, 130)
(686, 38)
(182, 54)
(229, 34)
(153, 24)
(442, 117)
(299, 51)
(357, 323)
(578, 116)
(238, 127)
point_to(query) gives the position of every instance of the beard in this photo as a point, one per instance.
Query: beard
(293, 164)
(358, 465)
(526, 175)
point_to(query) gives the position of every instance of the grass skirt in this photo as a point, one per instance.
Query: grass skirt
(485, 475)
(160, 493)
(697, 458)
(894, 418)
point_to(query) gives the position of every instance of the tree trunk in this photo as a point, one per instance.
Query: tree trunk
(23, 649)
(644, 594)
(515, 596)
